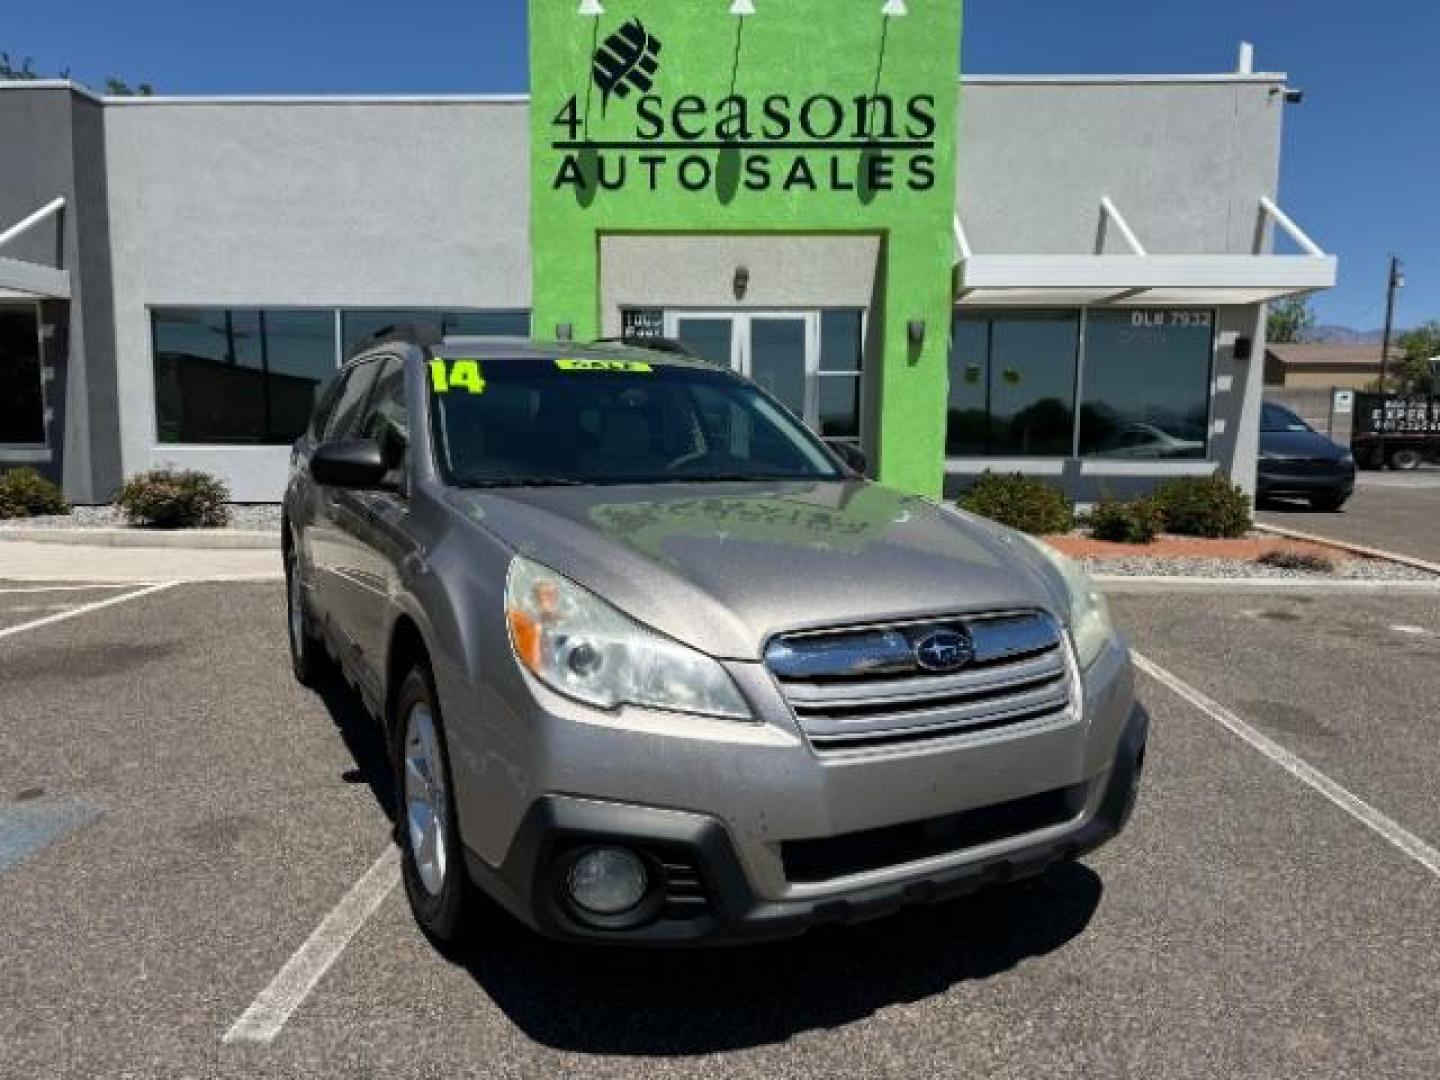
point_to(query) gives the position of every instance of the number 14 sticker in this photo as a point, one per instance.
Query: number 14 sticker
(447, 375)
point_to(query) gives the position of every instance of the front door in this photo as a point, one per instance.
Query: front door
(779, 350)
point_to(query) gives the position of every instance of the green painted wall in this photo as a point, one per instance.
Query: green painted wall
(706, 122)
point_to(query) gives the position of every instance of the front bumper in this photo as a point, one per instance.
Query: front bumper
(1272, 480)
(694, 857)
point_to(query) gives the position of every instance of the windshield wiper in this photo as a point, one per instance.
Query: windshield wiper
(524, 481)
(729, 478)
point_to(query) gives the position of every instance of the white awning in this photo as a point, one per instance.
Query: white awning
(31, 281)
(20, 280)
(1139, 277)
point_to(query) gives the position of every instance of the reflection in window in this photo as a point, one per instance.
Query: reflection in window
(842, 350)
(239, 376)
(357, 325)
(1146, 384)
(1012, 384)
(22, 399)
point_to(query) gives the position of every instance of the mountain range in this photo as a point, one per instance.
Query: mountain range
(1347, 335)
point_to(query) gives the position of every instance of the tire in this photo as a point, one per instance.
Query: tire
(307, 651)
(1327, 503)
(1404, 459)
(436, 881)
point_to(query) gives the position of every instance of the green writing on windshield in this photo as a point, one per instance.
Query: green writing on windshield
(447, 375)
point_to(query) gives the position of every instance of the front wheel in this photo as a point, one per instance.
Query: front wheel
(436, 881)
(307, 652)
(1327, 503)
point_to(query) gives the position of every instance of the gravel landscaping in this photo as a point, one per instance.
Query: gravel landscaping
(264, 517)
(1345, 569)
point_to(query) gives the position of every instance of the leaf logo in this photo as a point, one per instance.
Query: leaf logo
(626, 60)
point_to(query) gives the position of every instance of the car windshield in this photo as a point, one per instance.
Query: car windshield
(544, 421)
(1278, 418)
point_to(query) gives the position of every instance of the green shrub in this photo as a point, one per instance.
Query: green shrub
(25, 493)
(1203, 506)
(1021, 502)
(1137, 522)
(1294, 559)
(175, 499)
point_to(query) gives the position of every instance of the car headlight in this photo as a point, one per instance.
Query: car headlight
(1347, 459)
(1090, 624)
(577, 644)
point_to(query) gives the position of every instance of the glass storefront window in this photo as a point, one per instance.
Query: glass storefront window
(842, 351)
(840, 408)
(1146, 383)
(1012, 384)
(22, 397)
(239, 376)
(357, 325)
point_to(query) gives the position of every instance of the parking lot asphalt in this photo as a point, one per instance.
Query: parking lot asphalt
(1243, 926)
(1394, 511)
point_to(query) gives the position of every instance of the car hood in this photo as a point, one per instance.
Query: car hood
(723, 566)
(1299, 444)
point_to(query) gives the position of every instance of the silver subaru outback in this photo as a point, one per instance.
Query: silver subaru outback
(658, 666)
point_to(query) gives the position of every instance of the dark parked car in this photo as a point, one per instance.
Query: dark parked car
(1296, 461)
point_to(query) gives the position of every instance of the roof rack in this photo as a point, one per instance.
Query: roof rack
(654, 344)
(425, 335)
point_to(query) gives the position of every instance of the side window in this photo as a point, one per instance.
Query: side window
(343, 419)
(385, 419)
(325, 406)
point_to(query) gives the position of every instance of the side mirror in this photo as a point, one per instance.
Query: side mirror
(349, 463)
(853, 457)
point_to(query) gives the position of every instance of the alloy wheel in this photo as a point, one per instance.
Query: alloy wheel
(426, 800)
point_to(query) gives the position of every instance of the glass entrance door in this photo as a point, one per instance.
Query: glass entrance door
(22, 398)
(780, 350)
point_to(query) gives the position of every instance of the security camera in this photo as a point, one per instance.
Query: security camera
(1294, 95)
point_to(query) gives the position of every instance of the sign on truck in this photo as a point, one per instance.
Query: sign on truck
(1398, 430)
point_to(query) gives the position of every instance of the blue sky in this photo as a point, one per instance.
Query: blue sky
(1362, 156)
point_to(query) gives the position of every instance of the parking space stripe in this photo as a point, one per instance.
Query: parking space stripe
(74, 588)
(84, 609)
(1388, 829)
(267, 1014)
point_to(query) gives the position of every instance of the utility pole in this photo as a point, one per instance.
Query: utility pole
(1396, 281)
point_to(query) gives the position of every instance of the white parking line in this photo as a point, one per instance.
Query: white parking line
(267, 1014)
(1389, 830)
(84, 609)
(74, 588)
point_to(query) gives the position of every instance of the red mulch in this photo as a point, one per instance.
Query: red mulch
(1245, 549)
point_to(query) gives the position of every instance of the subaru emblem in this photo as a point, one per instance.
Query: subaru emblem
(944, 650)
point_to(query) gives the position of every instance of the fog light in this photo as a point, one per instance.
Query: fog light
(608, 881)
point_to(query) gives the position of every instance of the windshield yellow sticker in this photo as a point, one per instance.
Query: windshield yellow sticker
(603, 365)
(447, 375)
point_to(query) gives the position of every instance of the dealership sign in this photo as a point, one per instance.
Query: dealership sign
(768, 120)
(661, 134)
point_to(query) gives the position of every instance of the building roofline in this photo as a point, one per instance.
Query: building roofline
(1123, 80)
(523, 99)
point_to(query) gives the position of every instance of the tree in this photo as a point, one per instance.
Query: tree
(23, 70)
(1290, 320)
(1419, 346)
(120, 88)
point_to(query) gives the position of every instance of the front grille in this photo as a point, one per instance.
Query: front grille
(1303, 466)
(807, 861)
(863, 687)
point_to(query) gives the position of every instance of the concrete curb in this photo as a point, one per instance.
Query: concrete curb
(1356, 549)
(203, 539)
